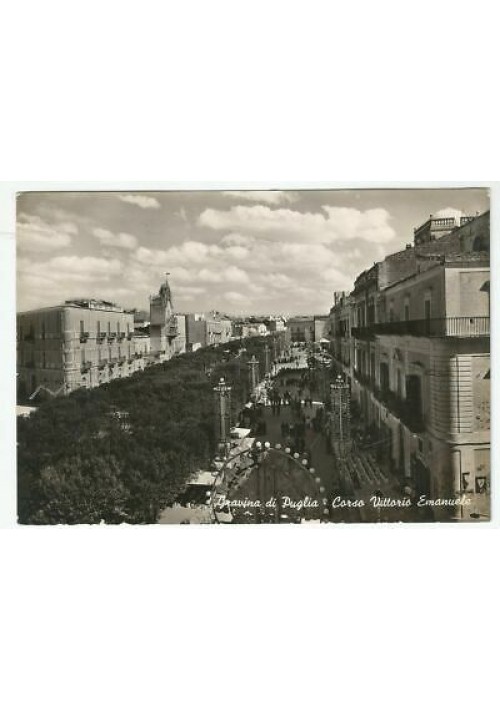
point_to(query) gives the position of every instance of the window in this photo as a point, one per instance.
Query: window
(98, 327)
(82, 327)
(407, 310)
(384, 377)
(414, 395)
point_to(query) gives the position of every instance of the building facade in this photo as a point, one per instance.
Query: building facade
(301, 329)
(219, 328)
(412, 340)
(82, 343)
(163, 325)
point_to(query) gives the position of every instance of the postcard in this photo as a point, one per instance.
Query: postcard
(253, 357)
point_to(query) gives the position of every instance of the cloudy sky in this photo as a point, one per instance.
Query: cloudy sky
(239, 252)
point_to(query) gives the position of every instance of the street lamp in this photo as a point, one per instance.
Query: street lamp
(223, 414)
(253, 365)
(266, 360)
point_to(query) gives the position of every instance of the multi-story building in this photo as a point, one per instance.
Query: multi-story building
(195, 331)
(275, 324)
(301, 329)
(307, 329)
(203, 329)
(412, 339)
(86, 342)
(180, 342)
(82, 343)
(218, 328)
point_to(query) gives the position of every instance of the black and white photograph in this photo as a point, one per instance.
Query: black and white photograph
(253, 357)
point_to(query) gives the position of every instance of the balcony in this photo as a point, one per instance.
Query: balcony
(84, 336)
(100, 337)
(102, 365)
(122, 360)
(85, 366)
(365, 380)
(129, 336)
(121, 336)
(402, 409)
(458, 327)
(111, 335)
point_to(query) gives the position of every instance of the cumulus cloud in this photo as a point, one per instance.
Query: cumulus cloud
(333, 225)
(234, 297)
(189, 291)
(54, 280)
(188, 253)
(37, 235)
(86, 268)
(143, 201)
(237, 240)
(269, 197)
(122, 240)
(449, 212)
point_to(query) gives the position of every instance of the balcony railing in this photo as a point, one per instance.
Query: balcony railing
(111, 336)
(457, 327)
(100, 337)
(121, 336)
(365, 380)
(402, 409)
(84, 336)
(85, 366)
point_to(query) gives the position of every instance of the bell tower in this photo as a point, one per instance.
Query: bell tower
(163, 327)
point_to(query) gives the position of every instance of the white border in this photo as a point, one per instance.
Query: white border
(7, 275)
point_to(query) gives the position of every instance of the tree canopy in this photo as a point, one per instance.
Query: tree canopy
(124, 451)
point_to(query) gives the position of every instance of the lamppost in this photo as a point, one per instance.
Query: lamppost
(340, 418)
(266, 360)
(223, 415)
(253, 370)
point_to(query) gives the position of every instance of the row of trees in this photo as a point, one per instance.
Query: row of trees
(124, 451)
